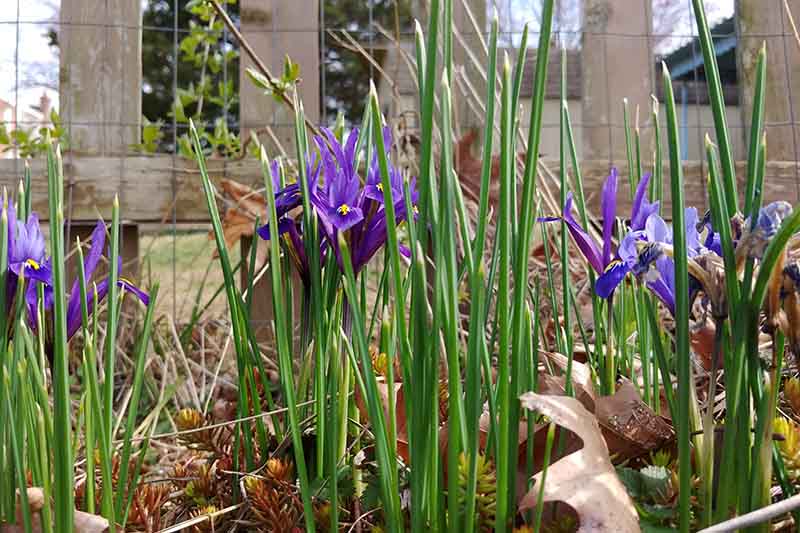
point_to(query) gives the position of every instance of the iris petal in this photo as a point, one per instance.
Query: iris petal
(611, 278)
(586, 244)
(608, 206)
(130, 287)
(641, 208)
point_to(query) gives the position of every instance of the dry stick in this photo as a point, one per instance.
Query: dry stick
(756, 517)
(226, 423)
(791, 21)
(202, 518)
(259, 64)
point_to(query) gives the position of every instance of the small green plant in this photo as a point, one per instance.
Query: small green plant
(33, 142)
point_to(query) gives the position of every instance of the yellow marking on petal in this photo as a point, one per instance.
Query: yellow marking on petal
(343, 209)
(380, 187)
(33, 264)
(612, 264)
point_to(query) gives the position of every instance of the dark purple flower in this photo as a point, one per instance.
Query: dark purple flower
(287, 199)
(27, 255)
(643, 253)
(90, 262)
(373, 188)
(758, 235)
(641, 208)
(598, 255)
(341, 204)
(27, 259)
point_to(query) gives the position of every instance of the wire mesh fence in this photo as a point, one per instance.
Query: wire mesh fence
(126, 75)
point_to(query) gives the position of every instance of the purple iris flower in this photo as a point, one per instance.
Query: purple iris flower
(27, 258)
(769, 220)
(373, 188)
(90, 262)
(641, 253)
(286, 199)
(27, 252)
(599, 255)
(338, 205)
(342, 204)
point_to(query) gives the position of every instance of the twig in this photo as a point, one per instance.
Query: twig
(219, 424)
(203, 518)
(756, 517)
(259, 64)
(791, 21)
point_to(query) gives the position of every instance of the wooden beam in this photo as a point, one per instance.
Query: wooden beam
(765, 21)
(146, 192)
(617, 63)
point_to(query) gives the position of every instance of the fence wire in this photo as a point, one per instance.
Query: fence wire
(341, 70)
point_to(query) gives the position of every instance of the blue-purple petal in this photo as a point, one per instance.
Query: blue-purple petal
(128, 286)
(283, 226)
(641, 208)
(585, 243)
(608, 205)
(343, 221)
(611, 278)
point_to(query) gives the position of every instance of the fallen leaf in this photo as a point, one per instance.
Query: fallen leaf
(581, 378)
(584, 480)
(631, 428)
(239, 218)
(469, 169)
(702, 342)
(83, 522)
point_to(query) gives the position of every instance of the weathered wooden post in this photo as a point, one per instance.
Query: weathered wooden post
(100, 96)
(759, 22)
(276, 28)
(617, 63)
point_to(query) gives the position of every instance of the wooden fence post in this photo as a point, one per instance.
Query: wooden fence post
(275, 28)
(617, 63)
(100, 94)
(765, 21)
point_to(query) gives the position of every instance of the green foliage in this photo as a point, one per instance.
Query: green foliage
(152, 134)
(33, 142)
(279, 88)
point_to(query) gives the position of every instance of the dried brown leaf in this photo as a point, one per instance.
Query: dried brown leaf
(239, 219)
(630, 427)
(584, 480)
(581, 378)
